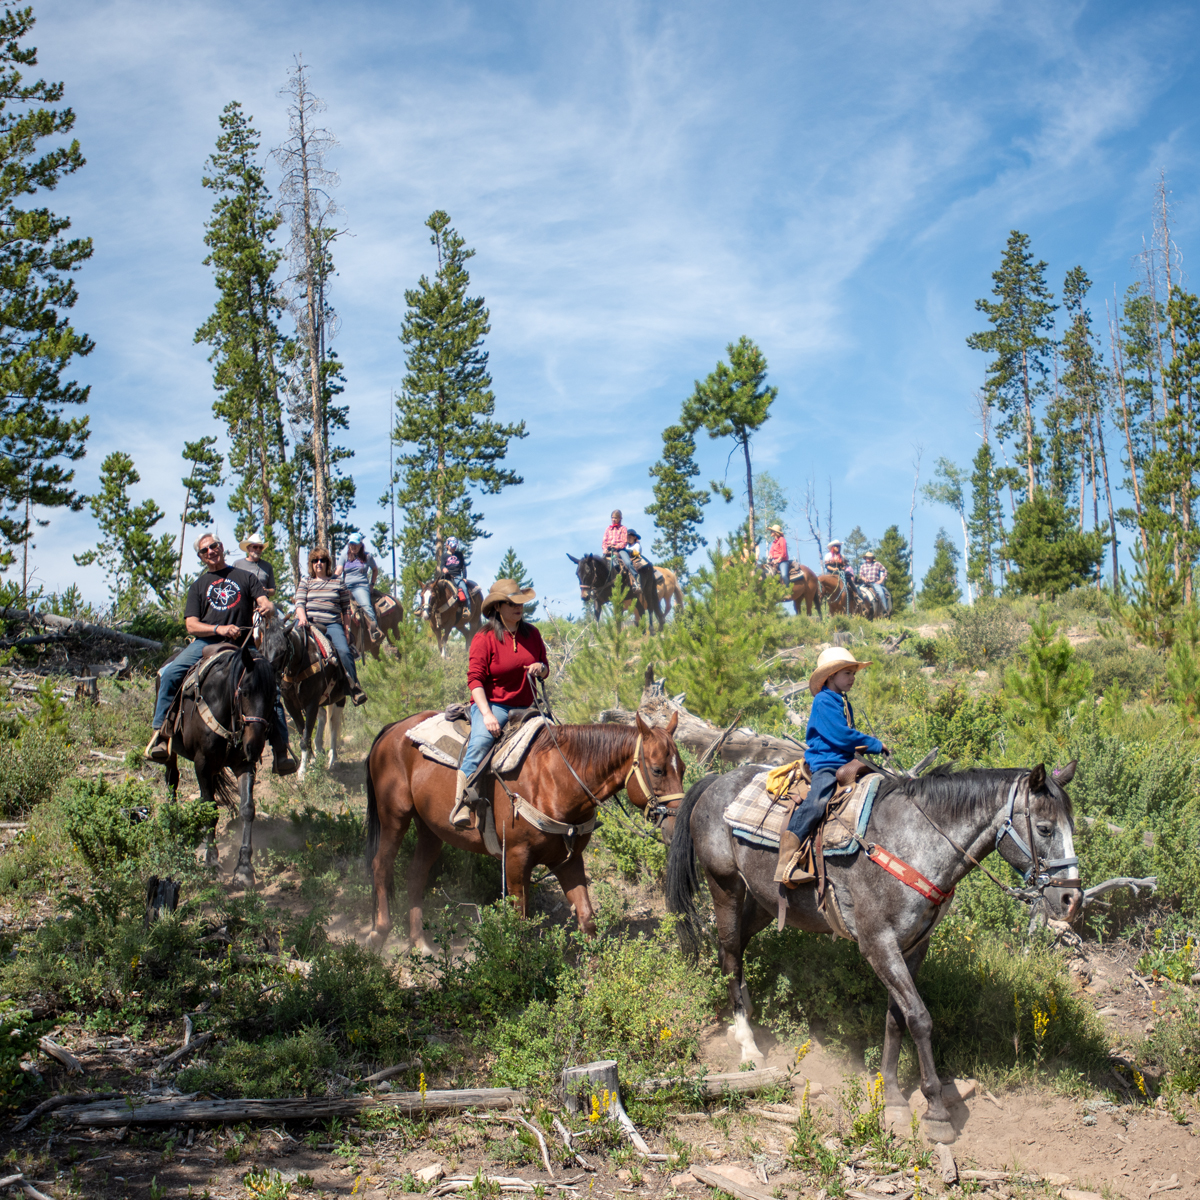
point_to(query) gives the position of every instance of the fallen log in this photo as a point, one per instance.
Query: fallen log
(59, 1102)
(712, 1086)
(715, 1179)
(698, 735)
(170, 1112)
(57, 1052)
(79, 628)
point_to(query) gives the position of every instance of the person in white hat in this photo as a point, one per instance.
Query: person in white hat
(253, 546)
(834, 562)
(832, 741)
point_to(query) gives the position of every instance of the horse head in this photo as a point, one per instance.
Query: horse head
(592, 573)
(1035, 837)
(271, 639)
(658, 772)
(253, 701)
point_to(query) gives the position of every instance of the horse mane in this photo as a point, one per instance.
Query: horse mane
(258, 677)
(953, 794)
(588, 747)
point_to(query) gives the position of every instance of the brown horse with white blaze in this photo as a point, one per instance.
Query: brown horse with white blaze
(568, 772)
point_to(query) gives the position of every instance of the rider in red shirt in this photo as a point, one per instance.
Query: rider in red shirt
(777, 553)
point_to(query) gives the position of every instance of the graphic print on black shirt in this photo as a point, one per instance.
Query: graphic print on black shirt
(224, 597)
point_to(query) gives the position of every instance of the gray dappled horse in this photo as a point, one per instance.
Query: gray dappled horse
(1024, 814)
(598, 577)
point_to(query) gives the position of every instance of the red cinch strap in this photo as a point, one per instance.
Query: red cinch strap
(908, 875)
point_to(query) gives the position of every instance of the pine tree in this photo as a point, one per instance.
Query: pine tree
(1021, 317)
(205, 474)
(939, 588)
(1053, 682)
(715, 647)
(733, 402)
(37, 342)
(855, 546)
(1152, 611)
(892, 552)
(305, 194)
(947, 489)
(511, 567)
(677, 506)
(248, 349)
(985, 526)
(129, 552)
(446, 404)
(1049, 554)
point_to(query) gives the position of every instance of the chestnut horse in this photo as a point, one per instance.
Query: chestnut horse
(806, 590)
(668, 590)
(843, 599)
(568, 771)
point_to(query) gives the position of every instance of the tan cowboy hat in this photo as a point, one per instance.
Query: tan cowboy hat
(774, 528)
(507, 589)
(253, 539)
(833, 660)
(869, 554)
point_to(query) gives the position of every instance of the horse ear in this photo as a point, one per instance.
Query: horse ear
(642, 727)
(1065, 774)
(672, 723)
(1037, 778)
(573, 558)
(247, 657)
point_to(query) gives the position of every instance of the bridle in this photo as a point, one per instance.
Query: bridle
(1038, 872)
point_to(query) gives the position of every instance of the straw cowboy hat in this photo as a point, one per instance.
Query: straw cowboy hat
(507, 589)
(774, 528)
(253, 539)
(833, 660)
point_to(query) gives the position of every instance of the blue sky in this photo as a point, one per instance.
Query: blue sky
(642, 183)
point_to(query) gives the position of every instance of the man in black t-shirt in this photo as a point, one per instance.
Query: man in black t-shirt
(220, 608)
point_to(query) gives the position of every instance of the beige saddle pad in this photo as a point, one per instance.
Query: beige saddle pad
(758, 820)
(442, 740)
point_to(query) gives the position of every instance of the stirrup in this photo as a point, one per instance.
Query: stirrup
(158, 749)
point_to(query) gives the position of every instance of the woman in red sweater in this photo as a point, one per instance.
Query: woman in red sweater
(505, 655)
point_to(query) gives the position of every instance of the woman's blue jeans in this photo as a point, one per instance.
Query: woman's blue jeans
(362, 594)
(480, 741)
(337, 636)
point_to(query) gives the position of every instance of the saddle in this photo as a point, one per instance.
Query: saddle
(190, 691)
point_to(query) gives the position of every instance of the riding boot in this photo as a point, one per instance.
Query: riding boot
(794, 865)
(284, 763)
(159, 747)
(460, 814)
(358, 696)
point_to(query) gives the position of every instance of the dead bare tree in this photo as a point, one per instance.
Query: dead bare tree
(912, 508)
(812, 517)
(306, 199)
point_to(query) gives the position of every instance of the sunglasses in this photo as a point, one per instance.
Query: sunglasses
(321, 562)
(211, 548)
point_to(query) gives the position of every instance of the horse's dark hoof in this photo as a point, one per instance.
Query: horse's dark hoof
(244, 877)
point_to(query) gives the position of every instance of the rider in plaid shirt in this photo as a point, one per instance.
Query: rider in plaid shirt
(874, 573)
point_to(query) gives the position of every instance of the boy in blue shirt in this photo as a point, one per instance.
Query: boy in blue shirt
(832, 741)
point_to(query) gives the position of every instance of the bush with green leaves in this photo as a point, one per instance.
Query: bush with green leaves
(985, 633)
(297, 1064)
(1138, 670)
(1052, 681)
(19, 1035)
(31, 765)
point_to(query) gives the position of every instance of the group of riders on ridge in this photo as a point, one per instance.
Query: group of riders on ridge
(222, 601)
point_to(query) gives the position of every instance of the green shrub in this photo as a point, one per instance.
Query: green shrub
(1137, 669)
(295, 1065)
(634, 844)
(31, 765)
(987, 632)
(19, 1035)
(1172, 1047)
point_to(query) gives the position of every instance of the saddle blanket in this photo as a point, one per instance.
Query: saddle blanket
(758, 820)
(441, 740)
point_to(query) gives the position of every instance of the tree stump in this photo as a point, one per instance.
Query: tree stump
(597, 1079)
(160, 894)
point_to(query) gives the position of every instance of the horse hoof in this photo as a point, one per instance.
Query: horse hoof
(423, 948)
(212, 857)
(375, 940)
(244, 878)
(898, 1119)
(941, 1132)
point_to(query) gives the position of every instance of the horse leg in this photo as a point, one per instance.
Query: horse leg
(729, 899)
(243, 873)
(890, 965)
(171, 779)
(394, 818)
(306, 736)
(319, 742)
(893, 1037)
(212, 856)
(336, 715)
(518, 870)
(754, 920)
(572, 878)
(429, 846)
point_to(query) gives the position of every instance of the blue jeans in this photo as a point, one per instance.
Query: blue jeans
(171, 676)
(362, 594)
(480, 741)
(877, 588)
(808, 815)
(337, 636)
(785, 570)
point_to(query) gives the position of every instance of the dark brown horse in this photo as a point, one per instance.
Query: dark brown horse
(310, 681)
(238, 697)
(360, 629)
(568, 772)
(845, 596)
(445, 612)
(598, 578)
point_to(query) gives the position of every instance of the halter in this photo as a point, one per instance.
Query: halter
(658, 808)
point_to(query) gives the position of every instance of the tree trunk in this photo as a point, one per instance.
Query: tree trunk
(82, 628)
(749, 487)
(1028, 422)
(1119, 375)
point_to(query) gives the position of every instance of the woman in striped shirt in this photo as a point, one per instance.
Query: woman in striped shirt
(326, 603)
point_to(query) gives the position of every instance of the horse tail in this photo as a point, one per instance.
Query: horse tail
(225, 789)
(676, 590)
(374, 827)
(682, 876)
